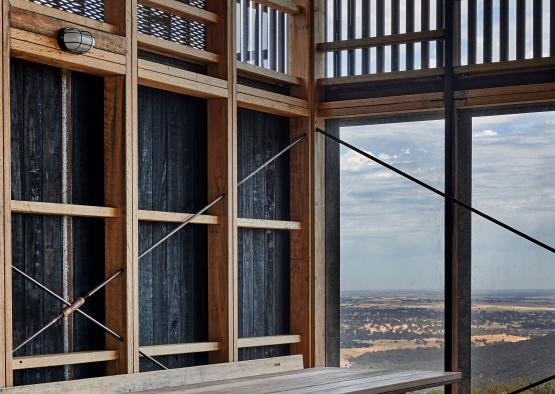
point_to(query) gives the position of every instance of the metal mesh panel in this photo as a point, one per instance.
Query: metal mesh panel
(90, 8)
(172, 28)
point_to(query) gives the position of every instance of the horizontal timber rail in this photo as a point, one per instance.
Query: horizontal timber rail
(273, 103)
(268, 341)
(49, 208)
(439, 193)
(409, 103)
(160, 76)
(372, 42)
(184, 10)
(49, 26)
(268, 224)
(43, 49)
(286, 6)
(65, 16)
(172, 49)
(175, 217)
(258, 73)
(180, 348)
(53, 360)
(389, 76)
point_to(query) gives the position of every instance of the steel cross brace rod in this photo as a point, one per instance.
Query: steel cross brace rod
(439, 192)
(70, 308)
(214, 201)
(75, 306)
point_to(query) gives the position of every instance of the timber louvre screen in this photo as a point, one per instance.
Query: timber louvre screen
(173, 28)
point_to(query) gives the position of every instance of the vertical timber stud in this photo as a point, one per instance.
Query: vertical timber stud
(133, 168)
(5, 195)
(222, 178)
(302, 311)
(318, 33)
(457, 223)
(118, 192)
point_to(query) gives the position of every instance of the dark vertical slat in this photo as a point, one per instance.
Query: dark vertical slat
(395, 21)
(264, 42)
(175, 308)
(520, 29)
(537, 37)
(439, 25)
(504, 31)
(145, 100)
(282, 33)
(365, 19)
(272, 39)
(259, 251)
(488, 30)
(380, 31)
(245, 31)
(87, 114)
(410, 29)
(332, 192)
(336, 36)
(552, 28)
(472, 12)
(257, 28)
(425, 25)
(159, 199)
(351, 26)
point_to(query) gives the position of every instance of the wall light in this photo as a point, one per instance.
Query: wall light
(75, 40)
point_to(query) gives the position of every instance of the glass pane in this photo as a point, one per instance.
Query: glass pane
(513, 280)
(392, 272)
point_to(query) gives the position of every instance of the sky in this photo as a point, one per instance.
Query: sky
(392, 230)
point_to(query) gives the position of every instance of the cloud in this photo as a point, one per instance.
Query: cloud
(484, 133)
(389, 224)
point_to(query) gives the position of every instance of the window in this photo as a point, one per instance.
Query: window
(391, 262)
(513, 280)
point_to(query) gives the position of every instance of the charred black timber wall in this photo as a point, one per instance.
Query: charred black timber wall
(173, 297)
(263, 254)
(37, 246)
(172, 177)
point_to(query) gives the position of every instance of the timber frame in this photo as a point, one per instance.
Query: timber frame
(28, 32)
(453, 92)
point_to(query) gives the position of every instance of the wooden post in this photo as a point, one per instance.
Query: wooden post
(222, 178)
(302, 194)
(318, 32)
(119, 191)
(5, 227)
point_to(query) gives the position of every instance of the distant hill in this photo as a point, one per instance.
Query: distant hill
(500, 363)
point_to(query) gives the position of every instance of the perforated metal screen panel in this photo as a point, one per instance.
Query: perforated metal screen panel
(90, 8)
(172, 28)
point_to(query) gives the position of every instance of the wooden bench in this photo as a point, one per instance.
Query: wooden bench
(272, 375)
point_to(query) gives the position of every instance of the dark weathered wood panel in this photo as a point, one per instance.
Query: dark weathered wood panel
(332, 181)
(37, 247)
(36, 132)
(263, 254)
(172, 177)
(259, 137)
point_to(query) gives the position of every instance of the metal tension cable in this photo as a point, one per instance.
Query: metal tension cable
(205, 208)
(439, 192)
(70, 308)
(74, 307)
